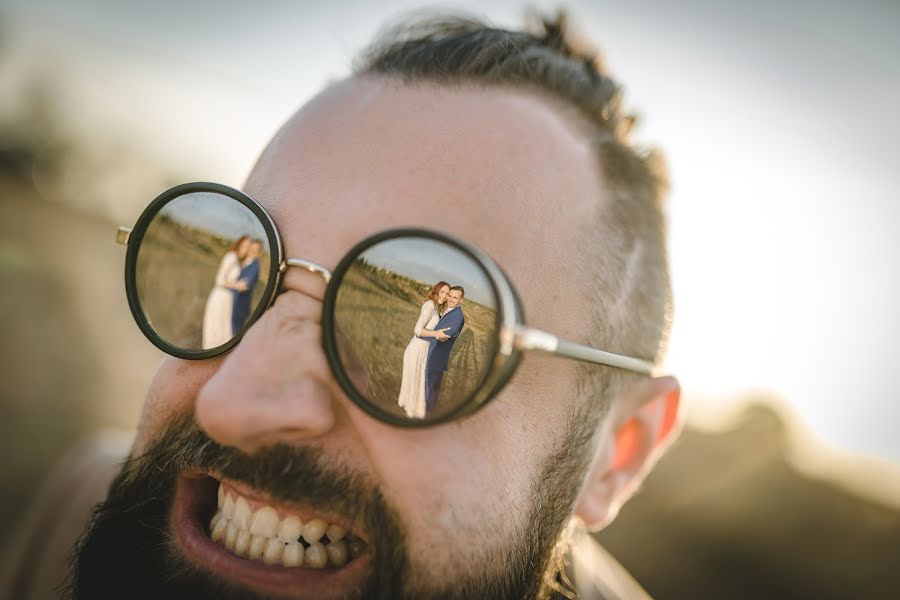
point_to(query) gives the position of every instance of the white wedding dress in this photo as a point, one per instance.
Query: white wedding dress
(217, 315)
(412, 384)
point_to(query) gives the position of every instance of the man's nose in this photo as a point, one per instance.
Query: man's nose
(276, 385)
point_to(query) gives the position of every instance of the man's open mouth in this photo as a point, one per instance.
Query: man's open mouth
(244, 536)
(258, 531)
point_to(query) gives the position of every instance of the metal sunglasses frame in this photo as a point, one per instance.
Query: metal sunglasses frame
(513, 337)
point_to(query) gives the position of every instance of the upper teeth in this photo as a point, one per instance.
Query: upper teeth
(288, 541)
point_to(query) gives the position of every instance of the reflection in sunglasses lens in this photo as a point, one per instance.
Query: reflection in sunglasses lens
(416, 323)
(201, 270)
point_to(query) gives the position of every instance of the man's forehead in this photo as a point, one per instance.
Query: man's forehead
(503, 169)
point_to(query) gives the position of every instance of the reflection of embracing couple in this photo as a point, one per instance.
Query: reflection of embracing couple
(428, 354)
(228, 305)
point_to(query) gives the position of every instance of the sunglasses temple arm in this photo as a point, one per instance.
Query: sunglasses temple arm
(528, 338)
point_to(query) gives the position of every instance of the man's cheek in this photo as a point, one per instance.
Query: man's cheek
(170, 395)
(441, 523)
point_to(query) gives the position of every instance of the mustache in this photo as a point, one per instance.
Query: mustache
(287, 473)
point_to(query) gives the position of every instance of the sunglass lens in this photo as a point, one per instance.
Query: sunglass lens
(415, 328)
(201, 269)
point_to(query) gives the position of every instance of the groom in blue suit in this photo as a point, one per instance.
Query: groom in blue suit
(240, 307)
(439, 352)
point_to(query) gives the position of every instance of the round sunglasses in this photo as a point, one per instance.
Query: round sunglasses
(419, 328)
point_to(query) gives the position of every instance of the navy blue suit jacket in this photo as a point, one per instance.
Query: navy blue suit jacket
(439, 352)
(240, 308)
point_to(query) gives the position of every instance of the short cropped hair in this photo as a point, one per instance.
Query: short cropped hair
(459, 288)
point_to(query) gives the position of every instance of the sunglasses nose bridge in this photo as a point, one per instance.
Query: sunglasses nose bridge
(305, 264)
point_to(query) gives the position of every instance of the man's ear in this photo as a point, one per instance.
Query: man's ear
(640, 425)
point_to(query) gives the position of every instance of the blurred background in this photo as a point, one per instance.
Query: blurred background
(780, 124)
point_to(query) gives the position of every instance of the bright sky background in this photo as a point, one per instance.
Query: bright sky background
(780, 122)
(217, 214)
(429, 261)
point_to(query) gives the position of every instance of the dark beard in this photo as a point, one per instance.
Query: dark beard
(127, 551)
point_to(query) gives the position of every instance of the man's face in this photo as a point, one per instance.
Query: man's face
(436, 509)
(253, 250)
(454, 298)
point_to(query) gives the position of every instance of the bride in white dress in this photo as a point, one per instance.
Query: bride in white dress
(412, 383)
(217, 314)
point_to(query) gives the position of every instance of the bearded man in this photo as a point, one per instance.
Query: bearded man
(514, 141)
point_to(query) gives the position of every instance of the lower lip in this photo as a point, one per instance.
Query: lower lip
(192, 506)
